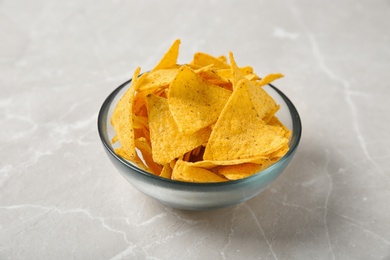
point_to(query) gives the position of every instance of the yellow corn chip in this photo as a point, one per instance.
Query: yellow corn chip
(263, 102)
(136, 160)
(157, 79)
(222, 58)
(166, 171)
(170, 58)
(204, 121)
(167, 141)
(115, 139)
(211, 75)
(240, 133)
(122, 119)
(275, 121)
(184, 171)
(239, 171)
(245, 71)
(209, 164)
(268, 79)
(202, 59)
(235, 71)
(194, 102)
(146, 151)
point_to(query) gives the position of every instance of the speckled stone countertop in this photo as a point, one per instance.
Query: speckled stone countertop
(61, 198)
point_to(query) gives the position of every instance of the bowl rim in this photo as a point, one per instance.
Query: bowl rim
(295, 138)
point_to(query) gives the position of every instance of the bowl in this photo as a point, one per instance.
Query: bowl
(199, 196)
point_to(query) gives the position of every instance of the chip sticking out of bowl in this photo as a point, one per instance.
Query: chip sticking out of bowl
(205, 121)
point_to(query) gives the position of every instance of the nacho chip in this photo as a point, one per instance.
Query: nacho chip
(144, 147)
(264, 104)
(209, 164)
(239, 171)
(194, 102)
(240, 133)
(205, 121)
(184, 171)
(167, 141)
(245, 71)
(275, 121)
(115, 139)
(212, 75)
(122, 119)
(268, 79)
(235, 71)
(157, 79)
(136, 160)
(166, 171)
(222, 58)
(203, 59)
(170, 58)
(139, 103)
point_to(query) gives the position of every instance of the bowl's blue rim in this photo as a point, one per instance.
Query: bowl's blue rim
(296, 136)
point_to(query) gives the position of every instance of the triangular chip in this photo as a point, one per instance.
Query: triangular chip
(240, 133)
(194, 102)
(184, 171)
(240, 171)
(268, 79)
(236, 74)
(167, 141)
(136, 160)
(157, 79)
(275, 121)
(209, 164)
(264, 104)
(122, 119)
(169, 60)
(245, 71)
(211, 74)
(146, 151)
(166, 171)
(203, 59)
(222, 58)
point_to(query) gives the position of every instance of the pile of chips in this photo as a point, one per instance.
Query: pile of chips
(205, 121)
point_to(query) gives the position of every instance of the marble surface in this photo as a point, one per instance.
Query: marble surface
(61, 198)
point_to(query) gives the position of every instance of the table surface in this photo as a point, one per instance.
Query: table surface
(61, 198)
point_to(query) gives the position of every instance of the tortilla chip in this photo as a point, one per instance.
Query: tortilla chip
(268, 79)
(235, 71)
(144, 147)
(157, 79)
(205, 121)
(209, 164)
(194, 102)
(203, 59)
(166, 171)
(245, 71)
(240, 133)
(211, 75)
(184, 171)
(263, 102)
(275, 121)
(115, 139)
(169, 60)
(167, 141)
(222, 58)
(122, 119)
(239, 171)
(136, 160)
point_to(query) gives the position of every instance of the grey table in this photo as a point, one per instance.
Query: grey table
(60, 197)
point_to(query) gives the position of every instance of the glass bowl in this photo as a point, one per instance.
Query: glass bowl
(199, 196)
